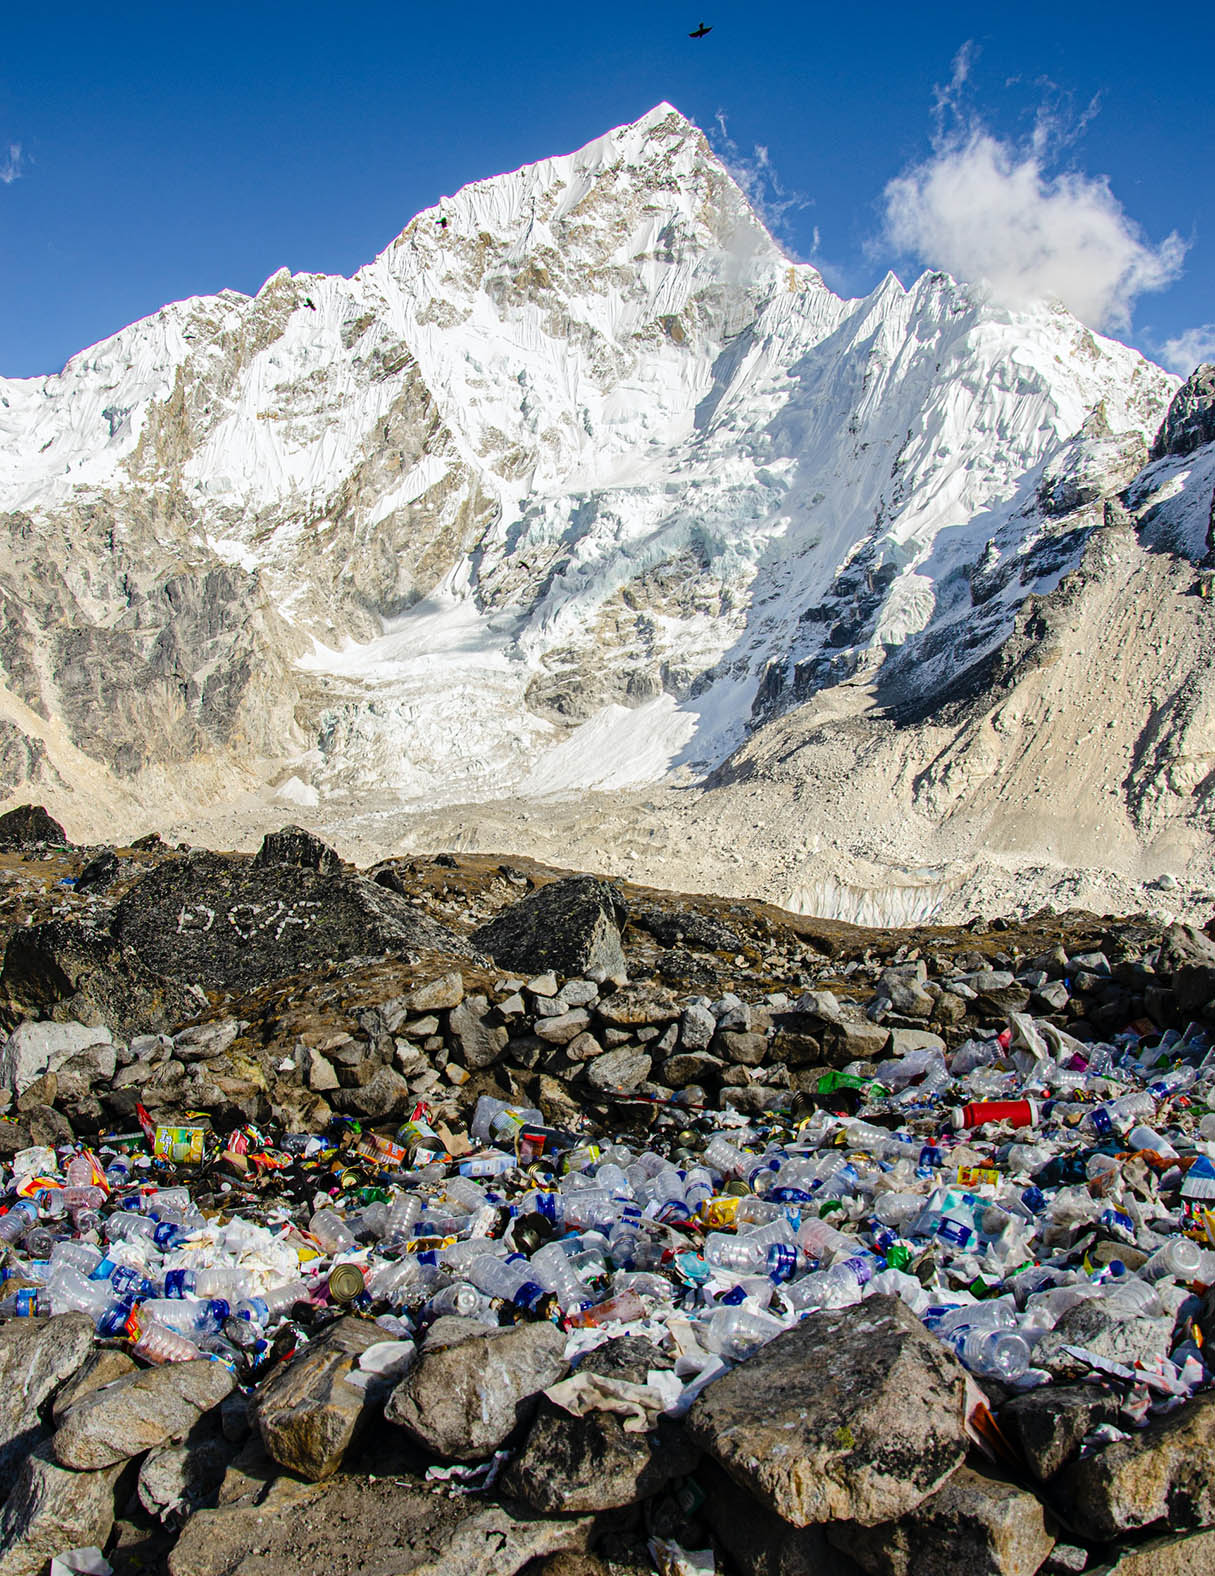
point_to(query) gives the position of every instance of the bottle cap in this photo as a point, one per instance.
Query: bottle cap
(345, 1282)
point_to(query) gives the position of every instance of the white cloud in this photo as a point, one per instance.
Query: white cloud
(11, 164)
(756, 175)
(1188, 350)
(992, 212)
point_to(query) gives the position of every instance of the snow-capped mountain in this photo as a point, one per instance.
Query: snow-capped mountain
(571, 488)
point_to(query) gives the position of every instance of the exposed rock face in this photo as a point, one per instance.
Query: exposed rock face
(572, 926)
(37, 1357)
(1165, 1472)
(975, 1523)
(52, 1509)
(855, 1415)
(227, 922)
(64, 971)
(33, 1049)
(1190, 421)
(293, 845)
(28, 827)
(1049, 1424)
(308, 1413)
(137, 1412)
(462, 1401)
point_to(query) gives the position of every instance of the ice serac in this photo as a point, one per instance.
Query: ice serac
(586, 488)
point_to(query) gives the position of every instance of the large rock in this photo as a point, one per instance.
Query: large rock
(27, 828)
(308, 1412)
(1165, 1473)
(619, 1071)
(462, 1402)
(572, 926)
(758, 1541)
(982, 1525)
(139, 1412)
(229, 923)
(353, 1526)
(1089, 1326)
(293, 845)
(478, 1043)
(37, 1356)
(1049, 1424)
(36, 1048)
(178, 1479)
(63, 970)
(851, 1415)
(1190, 421)
(1191, 1555)
(52, 1509)
(591, 1462)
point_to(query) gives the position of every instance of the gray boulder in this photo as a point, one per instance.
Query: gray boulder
(975, 1523)
(620, 1071)
(51, 1509)
(294, 845)
(463, 1401)
(27, 828)
(1092, 1328)
(228, 923)
(1190, 1555)
(37, 1356)
(1166, 1473)
(139, 1412)
(851, 1415)
(176, 1480)
(1049, 1424)
(308, 1412)
(33, 1049)
(571, 926)
(758, 1541)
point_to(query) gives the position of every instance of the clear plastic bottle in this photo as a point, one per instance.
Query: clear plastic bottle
(697, 1188)
(331, 1231)
(187, 1315)
(82, 1256)
(405, 1281)
(18, 1220)
(159, 1344)
(1128, 1110)
(722, 1157)
(272, 1304)
(68, 1291)
(736, 1333)
(551, 1268)
(403, 1214)
(624, 1307)
(993, 1354)
(820, 1240)
(498, 1119)
(1178, 1257)
(508, 1280)
(219, 1281)
(461, 1298)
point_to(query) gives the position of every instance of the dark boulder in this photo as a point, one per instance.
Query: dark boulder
(231, 923)
(99, 873)
(64, 971)
(292, 845)
(571, 926)
(28, 827)
(1190, 421)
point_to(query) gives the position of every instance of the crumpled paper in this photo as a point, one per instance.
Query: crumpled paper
(639, 1405)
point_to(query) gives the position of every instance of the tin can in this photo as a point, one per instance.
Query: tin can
(345, 1282)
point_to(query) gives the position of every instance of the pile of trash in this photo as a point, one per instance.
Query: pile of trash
(1044, 1208)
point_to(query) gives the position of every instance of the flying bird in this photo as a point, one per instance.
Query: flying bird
(700, 31)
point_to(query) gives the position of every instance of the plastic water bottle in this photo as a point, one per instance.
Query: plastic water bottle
(406, 1281)
(159, 1344)
(624, 1308)
(993, 1354)
(270, 1305)
(509, 1281)
(1179, 1258)
(722, 1157)
(735, 1333)
(187, 1315)
(403, 1214)
(82, 1256)
(20, 1217)
(331, 1231)
(68, 1291)
(552, 1270)
(819, 1240)
(461, 1298)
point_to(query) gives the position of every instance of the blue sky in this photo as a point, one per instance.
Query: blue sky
(153, 152)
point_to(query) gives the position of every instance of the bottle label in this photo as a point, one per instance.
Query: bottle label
(175, 1283)
(782, 1261)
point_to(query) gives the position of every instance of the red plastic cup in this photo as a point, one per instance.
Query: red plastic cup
(1020, 1113)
